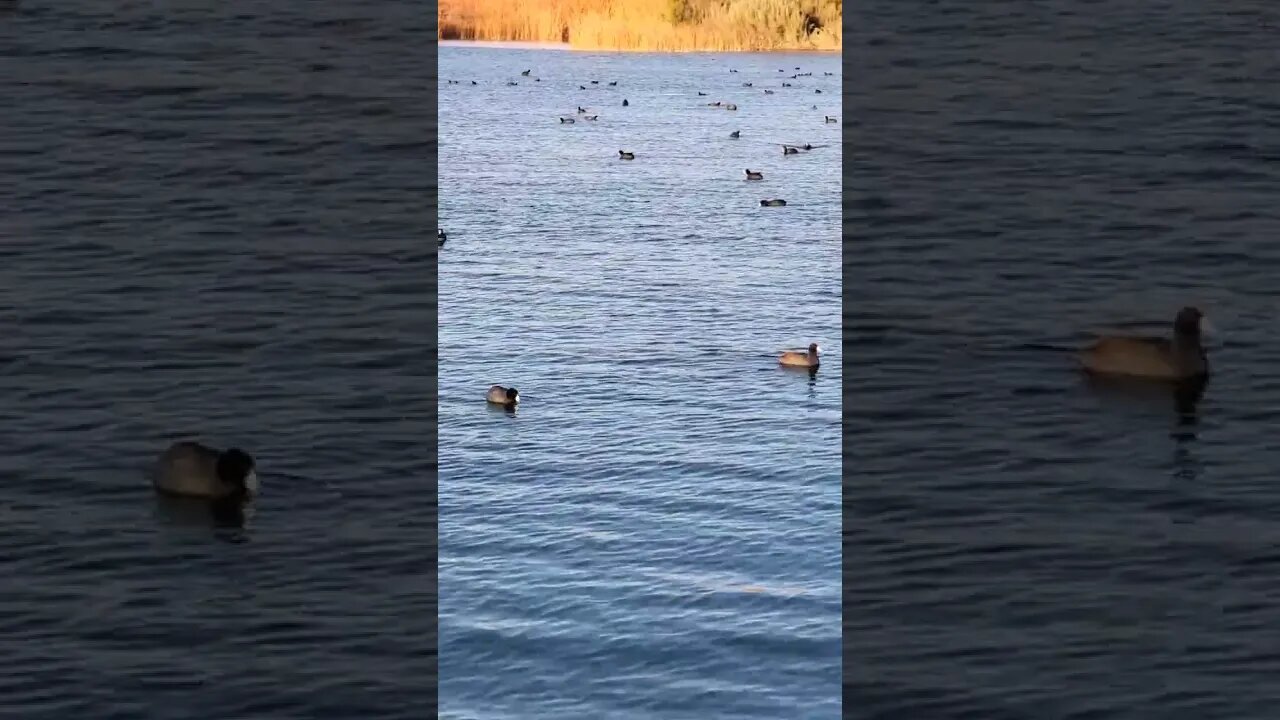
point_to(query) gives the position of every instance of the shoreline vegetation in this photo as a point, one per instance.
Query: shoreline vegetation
(649, 25)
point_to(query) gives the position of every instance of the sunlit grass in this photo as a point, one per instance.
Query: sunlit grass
(649, 25)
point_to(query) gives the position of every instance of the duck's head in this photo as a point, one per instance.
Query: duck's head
(236, 468)
(513, 395)
(1190, 322)
(813, 348)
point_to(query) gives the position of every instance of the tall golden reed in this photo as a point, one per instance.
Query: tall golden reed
(649, 25)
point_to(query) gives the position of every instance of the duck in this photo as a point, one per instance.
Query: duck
(526, 72)
(799, 359)
(768, 92)
(440, 238)
(613, 84)
(582, 87)
(776, 202)
(499, 395)
(788, 150)
(714, 104)
(595, 82)
(817, 91)
(582, 110)
(1179, 358)
(191, 469)
(567, 120)
(473, 82)
(511, 83)
(754, 175)
(590, 117)
(625, 103)
(735, 134)
(829, 119)
(746, 84)
(730, 106)
(624, 155)
(701, 94)
(786, 84)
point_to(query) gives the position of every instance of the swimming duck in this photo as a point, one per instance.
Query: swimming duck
(788, 150)
(590, 117)
(829, 119)
(735, 134)
(701, 94)
(595, 82)
(440, 238)
(819, 92)
(582, 110)
(613, 84)
(582, 87)
(624, 102)
(567, 120)
(799, 359)
(786, 84)
(752, 175)
(1181, 357)
(746, 84)
(195, 470)
(499, 395)
(714, 104)
(526, 72)
(768, 92)
(778, 202)
(624, 155)
(730, 106)
(512, 82)
(473, 82)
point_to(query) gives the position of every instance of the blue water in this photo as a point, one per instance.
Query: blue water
(654, 533)
(212, 227)
(1021, 544)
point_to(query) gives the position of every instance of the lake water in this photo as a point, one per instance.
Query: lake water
(654, 533)
(211, 226)
(1022, 545)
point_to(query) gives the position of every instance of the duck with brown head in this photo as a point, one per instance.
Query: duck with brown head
(505, 396)
(194, 470)
(1179, 358)
(793, 358)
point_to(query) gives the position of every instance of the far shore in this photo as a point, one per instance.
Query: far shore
(563, 47)
(650, 26)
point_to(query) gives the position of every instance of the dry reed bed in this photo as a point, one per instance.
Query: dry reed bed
(649, 25)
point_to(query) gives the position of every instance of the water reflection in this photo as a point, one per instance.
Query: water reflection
(228, 520)
(1183, 398)
(509, 410)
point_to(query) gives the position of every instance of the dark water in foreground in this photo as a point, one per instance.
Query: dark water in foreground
(653, 534)
(1024, 546)
(211, 226)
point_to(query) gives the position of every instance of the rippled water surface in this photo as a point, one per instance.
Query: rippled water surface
(654, 532)
(1024, 545)
(211, 227)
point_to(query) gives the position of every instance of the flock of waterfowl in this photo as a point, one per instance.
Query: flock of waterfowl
(509, 397)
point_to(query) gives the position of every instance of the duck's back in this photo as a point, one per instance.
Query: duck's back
(1136, 357)
(189, 468)
(792, 357)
